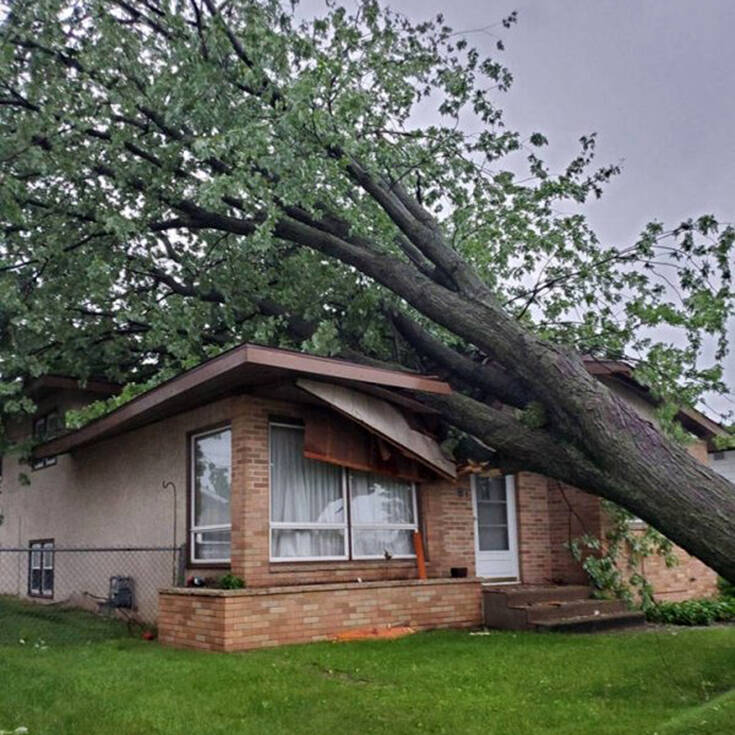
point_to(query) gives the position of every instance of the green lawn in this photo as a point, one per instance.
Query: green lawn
(78, 682)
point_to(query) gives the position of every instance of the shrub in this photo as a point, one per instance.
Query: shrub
(231, 582)
(691, 612)
(727, 589)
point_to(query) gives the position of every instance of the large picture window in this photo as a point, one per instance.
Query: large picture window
(41, 569)
(211, 473)
(314, 517)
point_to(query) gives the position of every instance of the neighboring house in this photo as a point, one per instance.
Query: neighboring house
(307, 477)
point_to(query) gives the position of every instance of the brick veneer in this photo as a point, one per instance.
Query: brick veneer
(250, 557)
(238, 620)
(569, 507)
(572, 513)
(534, 541)
(689, 578)
(449, 527)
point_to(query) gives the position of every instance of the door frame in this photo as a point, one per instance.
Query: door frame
(510, 496)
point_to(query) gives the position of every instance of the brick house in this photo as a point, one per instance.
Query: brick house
(309, 478)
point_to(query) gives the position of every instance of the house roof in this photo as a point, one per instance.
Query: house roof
(249, 366)
(49, 383)
(691, 419)
(245, 366)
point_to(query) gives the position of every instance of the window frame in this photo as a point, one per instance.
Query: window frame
(347, 525)
(41, 547)
(44, 436)
(191, 529)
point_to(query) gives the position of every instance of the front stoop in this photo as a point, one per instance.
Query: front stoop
(558, 608)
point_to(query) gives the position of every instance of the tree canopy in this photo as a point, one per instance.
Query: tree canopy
(182, 175)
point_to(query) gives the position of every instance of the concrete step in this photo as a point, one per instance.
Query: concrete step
(541, 611)
(592, 623)
(527, 594)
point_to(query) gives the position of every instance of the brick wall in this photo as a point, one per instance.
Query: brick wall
(689, 578)
(448, 526)
(567, 505)
(572, 513)
(545, 510)
(243, 619)
(534, 541)
(250, 556)
(445, 510)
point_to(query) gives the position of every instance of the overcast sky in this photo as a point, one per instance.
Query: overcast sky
(654, 78)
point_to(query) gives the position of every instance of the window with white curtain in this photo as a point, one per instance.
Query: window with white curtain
(312, 518)
(211, 474)
(383, 516)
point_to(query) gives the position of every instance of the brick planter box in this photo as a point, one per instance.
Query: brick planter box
(237, 620)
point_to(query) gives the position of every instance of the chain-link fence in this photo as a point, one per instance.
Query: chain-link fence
(52, 593)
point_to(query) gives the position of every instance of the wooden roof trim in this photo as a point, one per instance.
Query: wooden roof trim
(384, 420)
(337, 368)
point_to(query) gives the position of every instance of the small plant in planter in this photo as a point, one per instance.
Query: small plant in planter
(231, 582)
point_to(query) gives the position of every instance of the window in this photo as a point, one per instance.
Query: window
(383, 515)
(311, 518)
(492, 514)
(41, 569)
(211, 524)
(44, 428)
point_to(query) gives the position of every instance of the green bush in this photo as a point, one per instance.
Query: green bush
(231, 582)
(727, 589)
(692, 612)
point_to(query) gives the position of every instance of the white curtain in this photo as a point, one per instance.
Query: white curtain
(377, 503)
(380, 500)
(304, 491)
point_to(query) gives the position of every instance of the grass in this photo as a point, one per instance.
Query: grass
(81, 680)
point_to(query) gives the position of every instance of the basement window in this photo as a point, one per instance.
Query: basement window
(41, 568)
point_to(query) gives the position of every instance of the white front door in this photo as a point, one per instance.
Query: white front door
(496, 537)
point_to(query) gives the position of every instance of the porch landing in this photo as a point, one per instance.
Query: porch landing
(559, 608)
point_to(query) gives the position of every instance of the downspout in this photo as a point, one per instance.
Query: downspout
(174, 566)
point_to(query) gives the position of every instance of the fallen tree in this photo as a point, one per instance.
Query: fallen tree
(178, 177)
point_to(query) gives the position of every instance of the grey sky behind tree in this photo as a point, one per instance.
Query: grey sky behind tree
(654, 78)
